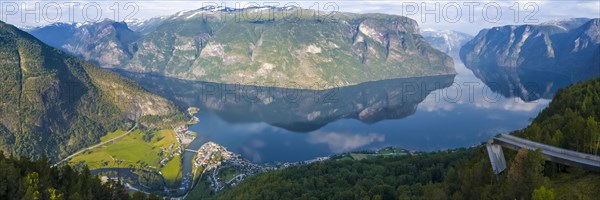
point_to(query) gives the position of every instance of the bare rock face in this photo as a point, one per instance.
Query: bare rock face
(569, 47)
(249, 46)
(348, 50)
(106, 43)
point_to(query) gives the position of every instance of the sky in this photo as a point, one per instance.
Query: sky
(462, 15)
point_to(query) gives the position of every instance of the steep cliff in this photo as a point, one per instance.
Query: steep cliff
(54, 104)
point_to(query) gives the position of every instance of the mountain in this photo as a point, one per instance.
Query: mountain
(257, 50)
(447, 41)
(144, 26)
(534, 61)
(106, 43)
(568, 48)
(55, 104)
(294, 47)
(567, 24)
(55, 35)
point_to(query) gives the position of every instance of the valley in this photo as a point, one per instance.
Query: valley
(152, 159)
(207, 104)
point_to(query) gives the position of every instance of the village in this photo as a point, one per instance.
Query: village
(306, 162)
(211, 155)
(183, 134)
(184, 137)
(224, 167)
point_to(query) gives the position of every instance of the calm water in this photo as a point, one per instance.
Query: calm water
(446, 118)
(269, 124)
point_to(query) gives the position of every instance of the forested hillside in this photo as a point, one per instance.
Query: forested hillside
(25, 179)
(570, 121)
(54, 104)
(382, 178)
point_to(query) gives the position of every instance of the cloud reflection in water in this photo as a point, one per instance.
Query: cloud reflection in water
(344, 142)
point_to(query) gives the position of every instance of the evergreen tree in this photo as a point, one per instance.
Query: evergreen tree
(542, 194)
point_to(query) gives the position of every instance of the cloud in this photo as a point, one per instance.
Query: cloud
(344, 142)
(472, 16)
(446, 11)
(478, 100)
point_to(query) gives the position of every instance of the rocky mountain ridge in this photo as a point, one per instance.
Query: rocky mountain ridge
(569, 47)
(534, 61)
(294, 47)
(447, 41)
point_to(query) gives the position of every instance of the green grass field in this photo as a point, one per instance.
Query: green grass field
(358, 156)
(385, 152)
(164, 138)
(392, 152)
(344, 158)
(129, 151)
(112, 135)
(172, 172)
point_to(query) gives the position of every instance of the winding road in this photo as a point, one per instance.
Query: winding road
(97, 145)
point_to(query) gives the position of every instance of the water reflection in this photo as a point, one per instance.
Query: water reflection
(344, 142)
(296, 109)
(528, 85)
(493, 95)
(271, 124)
